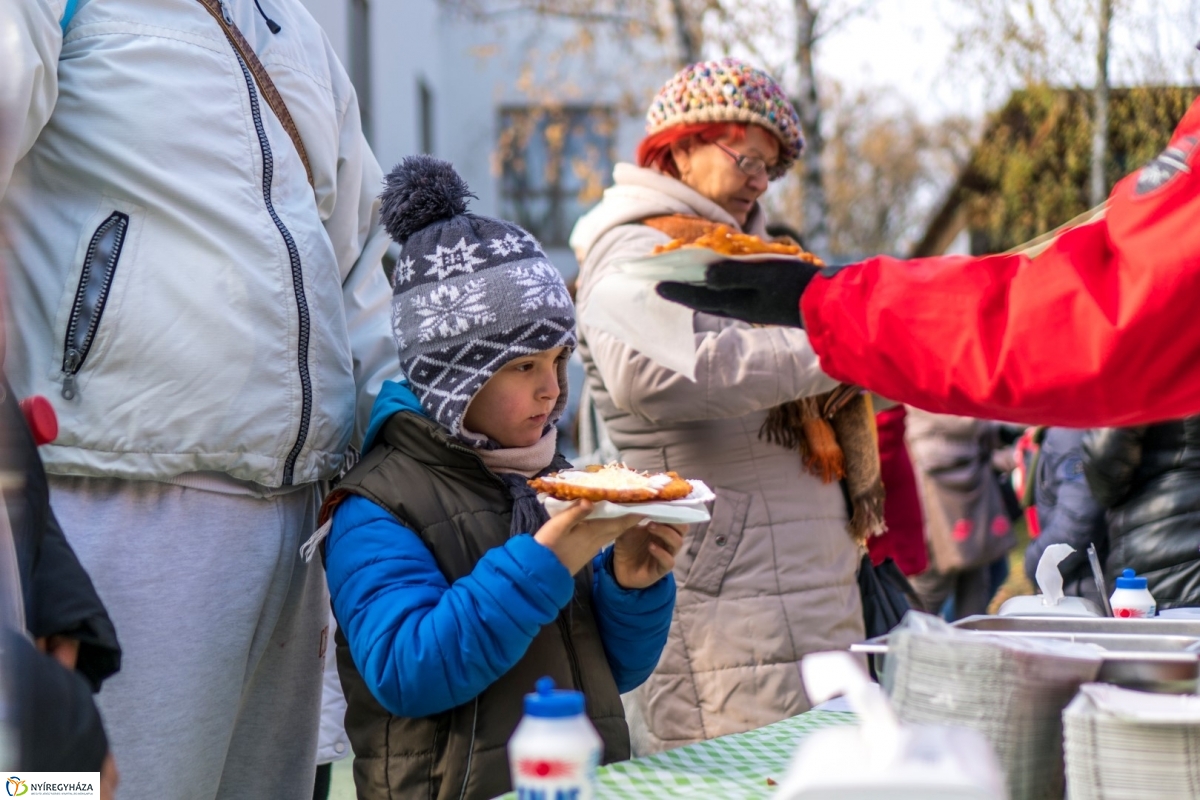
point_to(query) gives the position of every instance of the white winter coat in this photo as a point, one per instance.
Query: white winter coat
(773, 576)
(168, 264)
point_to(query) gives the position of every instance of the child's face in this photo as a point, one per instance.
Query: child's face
(513, 406)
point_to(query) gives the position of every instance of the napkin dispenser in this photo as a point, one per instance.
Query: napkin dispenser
(882, 758)
(1051, 602)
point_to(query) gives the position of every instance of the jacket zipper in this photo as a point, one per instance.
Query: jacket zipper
(289, 466)
(563, 624)
(99, 267)
(572, 656)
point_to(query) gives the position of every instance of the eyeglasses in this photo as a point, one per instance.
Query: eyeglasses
(753, 166)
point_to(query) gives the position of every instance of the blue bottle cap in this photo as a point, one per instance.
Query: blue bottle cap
(550, 703)
(1129, 580)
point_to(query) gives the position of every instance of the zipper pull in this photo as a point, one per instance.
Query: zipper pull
(71, 363)
(225, 13)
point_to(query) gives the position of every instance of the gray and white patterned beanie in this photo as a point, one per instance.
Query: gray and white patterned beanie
(469, 293)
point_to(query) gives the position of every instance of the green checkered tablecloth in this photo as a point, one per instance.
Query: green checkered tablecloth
(732, 767)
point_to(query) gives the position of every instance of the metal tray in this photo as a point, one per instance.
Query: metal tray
(1069, 625)
(1148, 654)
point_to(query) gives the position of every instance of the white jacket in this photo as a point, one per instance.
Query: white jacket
(773, 576)
(175, 286)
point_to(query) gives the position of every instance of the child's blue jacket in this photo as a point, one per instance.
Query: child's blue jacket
(424, 646)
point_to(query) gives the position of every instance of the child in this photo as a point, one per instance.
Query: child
(453, 590)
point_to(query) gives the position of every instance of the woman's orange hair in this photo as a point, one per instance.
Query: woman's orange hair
(655, 149)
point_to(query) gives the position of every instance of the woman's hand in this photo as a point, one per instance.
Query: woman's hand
(644, 554)
(575, 541)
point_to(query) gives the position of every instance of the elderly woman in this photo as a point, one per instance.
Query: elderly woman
(773, 576)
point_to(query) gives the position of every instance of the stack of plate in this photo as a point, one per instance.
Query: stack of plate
(1011, 690)
(1125, 744)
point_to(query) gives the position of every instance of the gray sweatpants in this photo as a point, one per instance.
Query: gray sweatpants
(223, 631)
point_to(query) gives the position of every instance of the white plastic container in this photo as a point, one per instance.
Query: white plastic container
(554, 752)
(1132, 600)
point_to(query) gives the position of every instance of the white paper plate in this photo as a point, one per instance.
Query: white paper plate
(688, 264)
(687, 511)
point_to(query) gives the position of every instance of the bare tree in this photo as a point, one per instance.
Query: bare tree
(693, 29)
(674, 23)
(688, 40)
(816, 19)
(1099, 185)
(816, 203)
(883, 170)
(1086, 45)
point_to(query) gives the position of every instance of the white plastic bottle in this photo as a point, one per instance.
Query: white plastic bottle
(1132, 600)
(554, 752)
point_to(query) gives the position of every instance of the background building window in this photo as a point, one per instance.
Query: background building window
(359, 35)
(554, 165)
(425, 116)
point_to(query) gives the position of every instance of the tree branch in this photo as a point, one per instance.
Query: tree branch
(837, 21)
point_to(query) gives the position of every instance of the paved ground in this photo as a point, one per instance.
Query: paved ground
(343, 781)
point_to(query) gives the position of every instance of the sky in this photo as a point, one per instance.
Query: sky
(904, 45)
(908, 46)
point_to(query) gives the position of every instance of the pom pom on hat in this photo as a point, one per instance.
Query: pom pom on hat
(418, 191)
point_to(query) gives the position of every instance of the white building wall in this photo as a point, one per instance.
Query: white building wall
(474, 69)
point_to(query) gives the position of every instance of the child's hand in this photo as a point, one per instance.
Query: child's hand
(575, 541)
(642, 555)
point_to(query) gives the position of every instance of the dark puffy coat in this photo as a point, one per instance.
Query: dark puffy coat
(1149, 479)
(1068, 512)
(443, 492)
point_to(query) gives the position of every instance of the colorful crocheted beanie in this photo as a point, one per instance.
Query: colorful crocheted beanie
(728, 90)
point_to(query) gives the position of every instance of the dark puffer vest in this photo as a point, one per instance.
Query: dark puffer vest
(461, 510)
(1149, 479)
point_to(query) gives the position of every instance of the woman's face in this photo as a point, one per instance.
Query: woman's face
(712, 170)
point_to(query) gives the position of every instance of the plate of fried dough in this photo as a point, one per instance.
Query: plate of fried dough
(616, 490)
(686, 261)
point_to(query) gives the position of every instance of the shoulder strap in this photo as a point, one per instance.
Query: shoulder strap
(265, 84)
(68, 13)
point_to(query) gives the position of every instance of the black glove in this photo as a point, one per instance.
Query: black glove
(765, 292)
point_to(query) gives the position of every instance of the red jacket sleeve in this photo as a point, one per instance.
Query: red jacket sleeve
(1101, 329)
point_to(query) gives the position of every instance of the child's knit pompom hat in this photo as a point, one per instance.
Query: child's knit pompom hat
(469, 293)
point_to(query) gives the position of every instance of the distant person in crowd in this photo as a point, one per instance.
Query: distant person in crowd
(1057, 334)
(773, 575)
(1148, 478)
(967, 524)
(1066, 512)
(453, 589)
(904, 539)
(190, 225)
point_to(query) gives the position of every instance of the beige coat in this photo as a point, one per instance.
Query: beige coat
(773, 576)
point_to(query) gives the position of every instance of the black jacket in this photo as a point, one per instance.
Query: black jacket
(1149, 479)
(59, 596)
(56, 722)
(58, 727)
